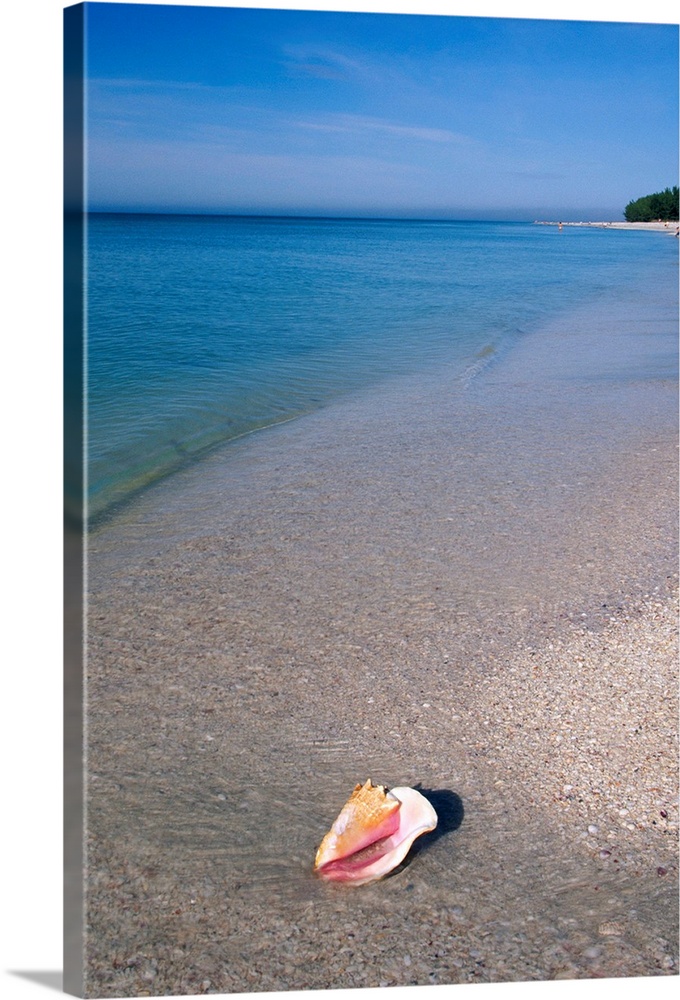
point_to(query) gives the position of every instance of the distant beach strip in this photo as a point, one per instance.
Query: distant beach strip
(670, 227)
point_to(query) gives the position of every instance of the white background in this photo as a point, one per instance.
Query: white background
(30, 460)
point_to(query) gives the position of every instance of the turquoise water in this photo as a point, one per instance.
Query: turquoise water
(203, 328)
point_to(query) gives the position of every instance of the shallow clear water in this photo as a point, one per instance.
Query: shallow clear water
(201, 329)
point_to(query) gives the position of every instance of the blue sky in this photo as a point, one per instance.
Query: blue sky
(297, 112)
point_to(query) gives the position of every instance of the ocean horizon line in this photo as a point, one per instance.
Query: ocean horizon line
(296, 216)
(314, 217)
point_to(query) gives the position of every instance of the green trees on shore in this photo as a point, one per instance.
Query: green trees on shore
(662, 205)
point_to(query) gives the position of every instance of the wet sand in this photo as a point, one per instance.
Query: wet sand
(468, 584)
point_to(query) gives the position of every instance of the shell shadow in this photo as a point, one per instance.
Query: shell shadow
(450, 814)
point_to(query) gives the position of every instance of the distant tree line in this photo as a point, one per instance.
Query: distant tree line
(662, 205)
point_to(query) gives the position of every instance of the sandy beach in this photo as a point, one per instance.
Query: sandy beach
(466, 585)
(587, 838)
(652, 227)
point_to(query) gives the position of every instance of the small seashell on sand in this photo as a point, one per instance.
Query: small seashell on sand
(611, 928)
(373, 833)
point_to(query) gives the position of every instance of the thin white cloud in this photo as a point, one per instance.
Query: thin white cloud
(362, 124)
(136, 84)
(323, 63)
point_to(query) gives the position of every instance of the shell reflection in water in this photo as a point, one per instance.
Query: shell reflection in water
(373, 833)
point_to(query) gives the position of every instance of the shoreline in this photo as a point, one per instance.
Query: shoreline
(670, 227)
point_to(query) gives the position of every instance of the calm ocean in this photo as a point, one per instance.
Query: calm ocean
(204, 328)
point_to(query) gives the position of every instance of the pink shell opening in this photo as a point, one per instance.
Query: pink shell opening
(379, 857)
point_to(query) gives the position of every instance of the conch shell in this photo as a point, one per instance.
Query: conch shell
(373, 833)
